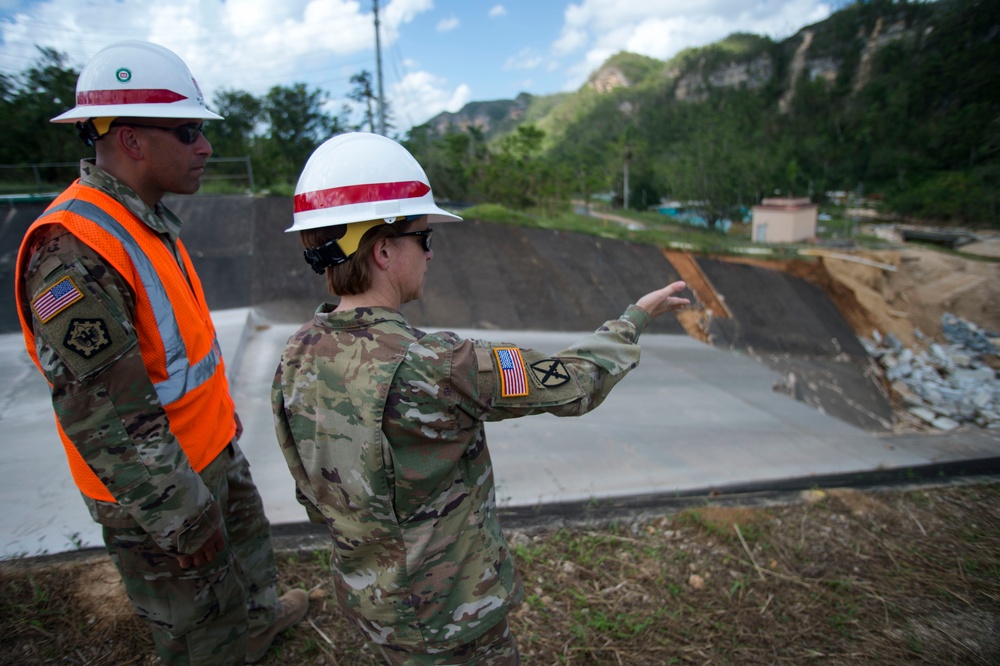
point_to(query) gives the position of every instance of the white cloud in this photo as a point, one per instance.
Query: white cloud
(459, 98)
(400, 11)
(447, 24)
(575, 32)
(237, 44)
(256, 44)
(664, 38)
(420, 96)
(662, 28)
(526, 58)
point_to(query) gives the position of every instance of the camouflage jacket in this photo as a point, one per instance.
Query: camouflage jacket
(382, 428)
(171, 502)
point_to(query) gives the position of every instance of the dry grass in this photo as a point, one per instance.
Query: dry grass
(838, 577)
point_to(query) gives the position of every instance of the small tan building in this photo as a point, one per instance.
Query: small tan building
(784, 220)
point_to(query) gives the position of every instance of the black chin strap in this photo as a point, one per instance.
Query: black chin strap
(87, 131)
(327, 254)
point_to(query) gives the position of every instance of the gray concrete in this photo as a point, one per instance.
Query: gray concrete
(691, 417)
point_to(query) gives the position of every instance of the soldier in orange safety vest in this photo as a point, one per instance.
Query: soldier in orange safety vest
(115, 318)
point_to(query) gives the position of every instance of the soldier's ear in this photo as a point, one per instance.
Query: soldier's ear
(382, 253)
(127, 139)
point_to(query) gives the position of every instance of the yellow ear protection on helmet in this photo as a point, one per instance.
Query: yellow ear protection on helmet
(92, 129)
(339, 250)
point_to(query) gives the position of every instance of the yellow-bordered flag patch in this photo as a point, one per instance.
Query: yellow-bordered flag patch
(513, 376)
(55, 299)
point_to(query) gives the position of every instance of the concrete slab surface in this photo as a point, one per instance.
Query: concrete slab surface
(693, 419)
(690, 418)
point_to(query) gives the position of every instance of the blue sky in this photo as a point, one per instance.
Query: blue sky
(437, 55)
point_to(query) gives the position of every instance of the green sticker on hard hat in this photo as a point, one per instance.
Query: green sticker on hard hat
(123, 74)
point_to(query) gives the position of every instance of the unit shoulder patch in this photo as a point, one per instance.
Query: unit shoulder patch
(82, 326)
(549, 373)
(87, 337)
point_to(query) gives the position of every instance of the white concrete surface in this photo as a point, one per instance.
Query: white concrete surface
(689, 417)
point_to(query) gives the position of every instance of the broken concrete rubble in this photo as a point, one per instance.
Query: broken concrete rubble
(948, 386)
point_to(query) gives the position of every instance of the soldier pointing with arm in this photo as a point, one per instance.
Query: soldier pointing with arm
(114, 316)
(382, 425)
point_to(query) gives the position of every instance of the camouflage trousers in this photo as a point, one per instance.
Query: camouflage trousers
(201, 616)
(496, 647)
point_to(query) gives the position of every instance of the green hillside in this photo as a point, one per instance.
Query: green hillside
(899, 101)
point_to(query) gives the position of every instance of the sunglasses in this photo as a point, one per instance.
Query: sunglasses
(187, 133)
(425, 237)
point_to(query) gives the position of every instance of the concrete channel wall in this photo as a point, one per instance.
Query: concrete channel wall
(483, 275)
(496, 277)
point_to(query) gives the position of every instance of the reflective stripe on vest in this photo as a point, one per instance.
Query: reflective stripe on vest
(171, 319)
(181, 376)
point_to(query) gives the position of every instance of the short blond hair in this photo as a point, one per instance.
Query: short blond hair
(354, 276)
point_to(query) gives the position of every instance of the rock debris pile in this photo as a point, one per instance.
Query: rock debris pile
(947, 386)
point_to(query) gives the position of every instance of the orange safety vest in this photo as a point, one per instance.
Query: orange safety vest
(176, 335)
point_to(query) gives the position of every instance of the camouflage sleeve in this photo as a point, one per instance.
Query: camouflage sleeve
(283, 429)
(518, 382)
(104, 399)
(495, 381)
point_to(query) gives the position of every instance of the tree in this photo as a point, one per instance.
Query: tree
(244, 114)
(362, 93)
(715, 169)
(28, 102)
(297, 124)
(513, 175)
(456, 167)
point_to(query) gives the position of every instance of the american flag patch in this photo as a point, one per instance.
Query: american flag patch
(57, 298)
(513, 376)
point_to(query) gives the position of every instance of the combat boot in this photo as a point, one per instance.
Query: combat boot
(294, 606)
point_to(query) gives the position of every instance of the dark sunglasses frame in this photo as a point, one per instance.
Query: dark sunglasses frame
(425, 237)
(187, 133)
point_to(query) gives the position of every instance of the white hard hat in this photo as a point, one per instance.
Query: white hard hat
(361, 177)
(136, 79)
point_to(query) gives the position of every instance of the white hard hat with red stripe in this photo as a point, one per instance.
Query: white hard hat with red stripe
(136, 79)
(362, 177)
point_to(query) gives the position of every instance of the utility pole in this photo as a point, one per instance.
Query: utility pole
(378, 59)
(628, 158)
(627, 108)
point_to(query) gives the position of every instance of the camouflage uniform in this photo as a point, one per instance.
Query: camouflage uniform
(382, 427)
(164, 509)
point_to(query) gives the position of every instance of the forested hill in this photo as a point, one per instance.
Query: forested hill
(896, 99)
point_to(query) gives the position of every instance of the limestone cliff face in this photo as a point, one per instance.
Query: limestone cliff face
(484, 116)
(808, 53)
(607, 79)
(795, 70)
(826, 67)
(695, 85)
(879, 37)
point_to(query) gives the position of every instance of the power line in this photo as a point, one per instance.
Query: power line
(23, 50)
(401, 90)
(378, 57)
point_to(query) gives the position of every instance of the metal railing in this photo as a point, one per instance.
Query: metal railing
(36, 169)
